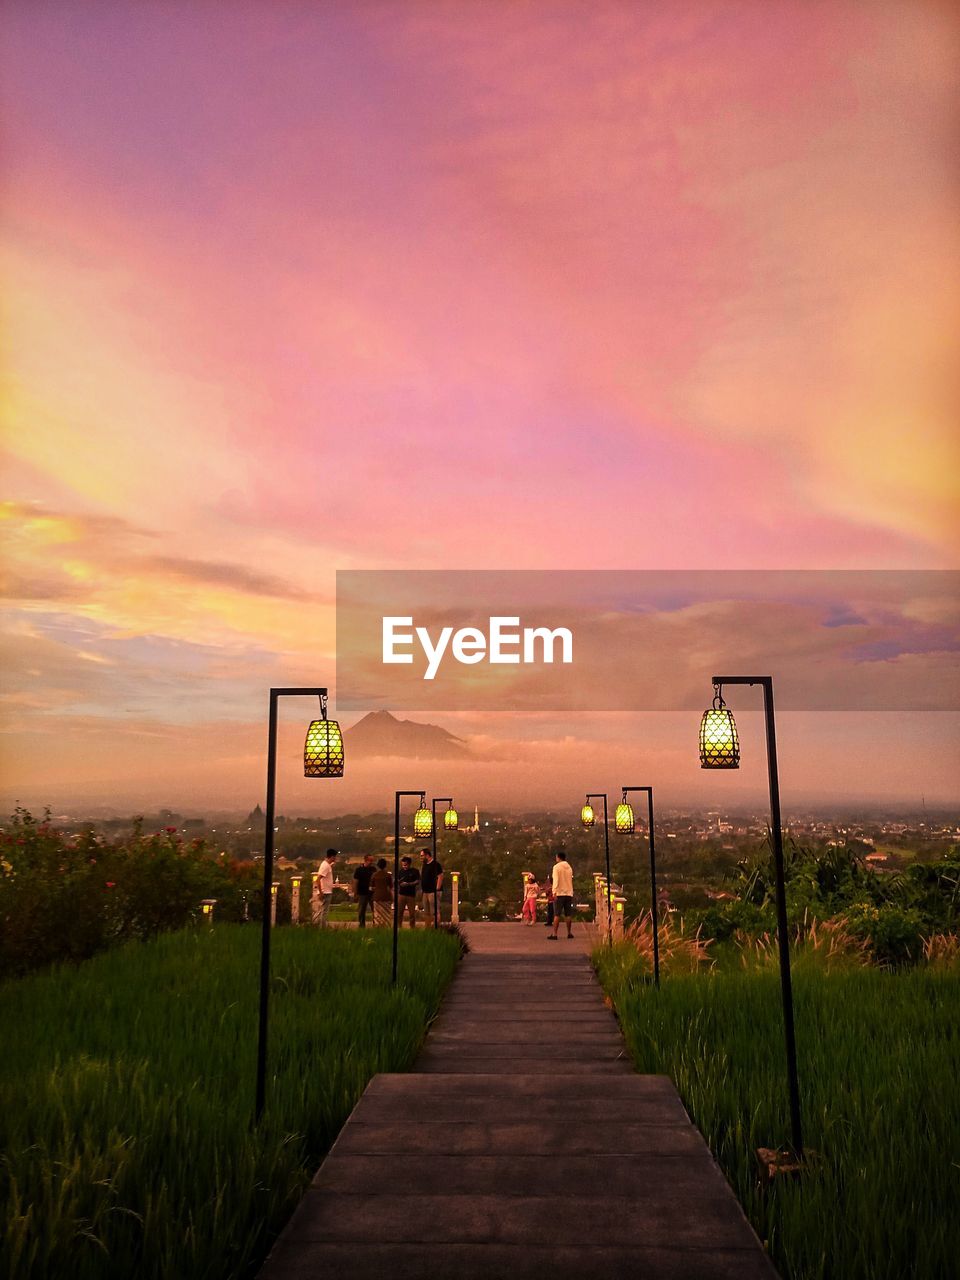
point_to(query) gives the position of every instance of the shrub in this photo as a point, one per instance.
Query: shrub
(894, 934)
(67, 899)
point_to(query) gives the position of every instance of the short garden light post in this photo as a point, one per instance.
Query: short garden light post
(295, 899)
(720, 749)
(455, 897)
(588, 818)
(206, 909)
(322, 758)
(274, 889)
(315, 897)
(451, 821)
(422, 826)
(625, 824)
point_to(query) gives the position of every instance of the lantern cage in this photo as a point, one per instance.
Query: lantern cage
(719, 741)
(451, 819)
(422, 821)
(323, 749)
(624, 818)
(587, 816)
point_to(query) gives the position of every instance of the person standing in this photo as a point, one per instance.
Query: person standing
(408, 882)
(528, 912)
(326, 886)
(362, 890)
(549, 893)
(381, 887)
(431, 882)
(562, 883)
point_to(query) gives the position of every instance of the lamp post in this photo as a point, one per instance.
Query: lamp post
(295, 899)
(451, 821)
(588, 818)
(720, 749)
(322, 758)
(624, 823)
(422, 826)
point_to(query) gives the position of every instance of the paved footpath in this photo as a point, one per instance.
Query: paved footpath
(521, 1142)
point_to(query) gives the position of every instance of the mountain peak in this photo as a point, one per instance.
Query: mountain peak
(380, 733)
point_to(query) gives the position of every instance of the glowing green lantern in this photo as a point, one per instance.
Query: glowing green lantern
(719, 741)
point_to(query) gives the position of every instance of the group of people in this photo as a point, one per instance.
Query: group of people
(559, 898)
(417, 890)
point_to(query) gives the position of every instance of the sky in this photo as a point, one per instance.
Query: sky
(293, 288)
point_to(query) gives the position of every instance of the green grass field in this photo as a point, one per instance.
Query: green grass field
(127, 1089)
(879, 1060)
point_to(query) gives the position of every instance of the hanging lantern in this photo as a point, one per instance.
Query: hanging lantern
(587, 815)
(450, 819)
(624, 818)
(422, 821)
(719, 742)
(323, 749)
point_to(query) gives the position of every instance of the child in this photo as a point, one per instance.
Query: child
(528, 912)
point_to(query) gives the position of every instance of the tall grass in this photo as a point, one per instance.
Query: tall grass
(127, 1088)
(879, 1057)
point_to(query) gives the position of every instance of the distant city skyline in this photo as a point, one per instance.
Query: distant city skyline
(299, 288)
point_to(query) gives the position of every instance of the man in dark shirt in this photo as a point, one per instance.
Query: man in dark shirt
(362, 888)
(431, 882)
(408, 882)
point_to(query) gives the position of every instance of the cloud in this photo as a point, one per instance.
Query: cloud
(220, 574)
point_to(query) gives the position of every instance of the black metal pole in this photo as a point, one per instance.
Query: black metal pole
(654, 914)
(267, 886)
(433, 810)
(783, 940)
(396, 875)
(602, 795)
(606, 851)
(396, 884)
(275, 695)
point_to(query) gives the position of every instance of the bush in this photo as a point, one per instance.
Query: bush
(722, 920)
(67, 899)
(895, 934)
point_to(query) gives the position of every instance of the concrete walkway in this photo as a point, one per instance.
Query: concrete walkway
(523, 1141)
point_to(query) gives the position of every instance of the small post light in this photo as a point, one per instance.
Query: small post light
(587, 816)
(618, 917)
(295, 899)
(206, 907)
(719, 741)
(623, 819)
(273, 902)
(315, 897)
(423, 819)
(455, 897)
(451, 819)
(323, 749)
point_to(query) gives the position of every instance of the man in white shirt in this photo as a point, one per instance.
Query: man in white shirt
(325, 877)
(562, 895)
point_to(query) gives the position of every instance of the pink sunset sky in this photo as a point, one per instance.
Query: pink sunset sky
(295, 287)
